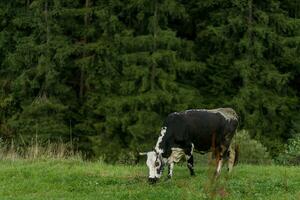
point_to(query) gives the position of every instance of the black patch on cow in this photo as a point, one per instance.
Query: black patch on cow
(204, 128)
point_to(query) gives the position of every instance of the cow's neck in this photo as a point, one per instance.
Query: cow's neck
(159, 148)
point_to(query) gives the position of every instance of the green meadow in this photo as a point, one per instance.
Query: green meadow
(73, 179)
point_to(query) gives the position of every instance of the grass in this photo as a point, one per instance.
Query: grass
(74, 179)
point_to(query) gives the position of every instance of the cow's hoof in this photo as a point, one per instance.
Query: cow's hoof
(192, 172)
(152, 180)
(169, 176)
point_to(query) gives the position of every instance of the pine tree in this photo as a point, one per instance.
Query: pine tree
(245, 42)
(109, 72)
(7, 75)
(93, 65)
(152, 65)
(36, 91)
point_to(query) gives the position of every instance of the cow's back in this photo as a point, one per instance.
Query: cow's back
(201, 127)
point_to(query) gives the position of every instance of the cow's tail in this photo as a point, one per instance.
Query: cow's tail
(236, 146)
(236, 157)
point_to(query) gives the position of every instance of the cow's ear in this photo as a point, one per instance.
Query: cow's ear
(153, 149)
(143, 153)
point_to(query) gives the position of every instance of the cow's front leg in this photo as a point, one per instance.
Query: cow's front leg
(190, 159)
(190, 164)
(170, 169)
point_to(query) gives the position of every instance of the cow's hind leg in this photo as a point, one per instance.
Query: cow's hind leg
(170, 169)
(219, 167)
(219, 161)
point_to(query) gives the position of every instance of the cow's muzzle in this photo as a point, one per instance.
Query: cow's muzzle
(152, 180)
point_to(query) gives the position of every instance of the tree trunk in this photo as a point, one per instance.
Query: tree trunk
(46, 21)
(250, 23)
(27, 4)
(82, 71)
(153, 70)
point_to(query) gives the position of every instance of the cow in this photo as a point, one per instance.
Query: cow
(201, 129)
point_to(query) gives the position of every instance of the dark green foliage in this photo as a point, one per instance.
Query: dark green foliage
(291, 155)
(250, 151)
(107, 73)
(252, 61)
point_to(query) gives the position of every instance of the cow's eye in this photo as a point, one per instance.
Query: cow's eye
(156, 164)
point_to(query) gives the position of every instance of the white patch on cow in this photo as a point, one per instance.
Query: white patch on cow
(227, 113)
(187, 157)
(171, 167)
(165, 160)
(151, 158)
(176, 155)
(219, 166)
(162, 134)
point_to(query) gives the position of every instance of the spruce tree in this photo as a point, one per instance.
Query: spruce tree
(148, 85)
(37, 91)
(243, 44)
(109, 72)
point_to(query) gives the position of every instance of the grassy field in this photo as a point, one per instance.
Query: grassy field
(67, 179)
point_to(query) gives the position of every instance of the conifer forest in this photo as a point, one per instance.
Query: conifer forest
(104, 74)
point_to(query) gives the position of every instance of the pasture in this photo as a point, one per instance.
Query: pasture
(73, 179)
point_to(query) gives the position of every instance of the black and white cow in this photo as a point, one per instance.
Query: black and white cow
(204, 130)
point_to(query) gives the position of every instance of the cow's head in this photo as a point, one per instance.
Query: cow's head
(155, 164)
